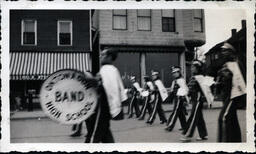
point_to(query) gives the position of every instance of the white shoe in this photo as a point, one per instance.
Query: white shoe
(200, 139)
(185, 139)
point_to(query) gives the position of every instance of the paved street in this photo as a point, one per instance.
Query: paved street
(45, 130)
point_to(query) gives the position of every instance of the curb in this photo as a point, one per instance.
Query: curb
(28, 118)
(45, 117)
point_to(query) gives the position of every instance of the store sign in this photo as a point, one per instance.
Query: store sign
(67, 97)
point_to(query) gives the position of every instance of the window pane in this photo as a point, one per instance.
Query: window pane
(65, 39)
(165, 27)
(198, 25)
(171, 25)
(168, 24)
(28, 38)
(119, 12)
(198, 13)
(168, 13)
(145, 13)
(29, 26)
(64, 27)
(119, 22)
(144, 23)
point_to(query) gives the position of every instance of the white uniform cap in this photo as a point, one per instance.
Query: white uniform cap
(155, 73)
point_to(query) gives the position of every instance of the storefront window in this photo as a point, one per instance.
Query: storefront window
(128, 65)
(162, 63)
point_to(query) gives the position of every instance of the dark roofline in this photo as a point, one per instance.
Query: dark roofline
(241, 34)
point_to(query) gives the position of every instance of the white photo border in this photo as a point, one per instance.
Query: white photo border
(5, 144)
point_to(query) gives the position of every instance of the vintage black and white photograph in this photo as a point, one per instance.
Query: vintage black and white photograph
(129, 75)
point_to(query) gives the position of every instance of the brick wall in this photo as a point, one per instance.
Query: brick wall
(47, 29)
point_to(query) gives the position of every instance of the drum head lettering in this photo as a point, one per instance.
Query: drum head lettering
(67, 97)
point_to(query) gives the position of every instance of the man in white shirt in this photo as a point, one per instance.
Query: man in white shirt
(111, 95)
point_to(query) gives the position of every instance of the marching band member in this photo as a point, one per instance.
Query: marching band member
(180, 90)
(230, 81)
(136, 89)
(149, 97)
(197, 95)
(161, 94)
(111, 95)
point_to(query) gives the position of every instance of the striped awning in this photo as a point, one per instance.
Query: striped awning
(39, 65)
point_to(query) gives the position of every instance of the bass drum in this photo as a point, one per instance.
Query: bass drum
(68, 96)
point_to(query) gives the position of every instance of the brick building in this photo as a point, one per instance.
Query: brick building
(150, 39)
(42, 42)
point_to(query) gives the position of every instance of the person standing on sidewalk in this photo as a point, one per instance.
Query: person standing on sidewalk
(149, 97)
(111, 95)
(136, 89)
(232, 85)
(161, 95)
(196, 93)
(180, 90)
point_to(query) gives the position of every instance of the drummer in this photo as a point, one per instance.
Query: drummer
(161, 95)
(149, 97)
(179, 89)
(134, 103)
(111, 95)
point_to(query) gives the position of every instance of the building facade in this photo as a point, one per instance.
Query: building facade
(43, 42)
(150, 39)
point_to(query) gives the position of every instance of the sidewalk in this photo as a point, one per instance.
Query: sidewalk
(23, 115)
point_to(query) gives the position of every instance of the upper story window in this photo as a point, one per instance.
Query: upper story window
(119, 19)
(65, 33)
(198, 20)
(168, 20)
(29, 32)
(144, 19)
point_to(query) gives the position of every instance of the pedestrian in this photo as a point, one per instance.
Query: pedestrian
(111, 95)
(134, 103)
(17, 103)
(149, 97)
(231, 83)
(180, 90)
(161, 95)
(197, 96)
